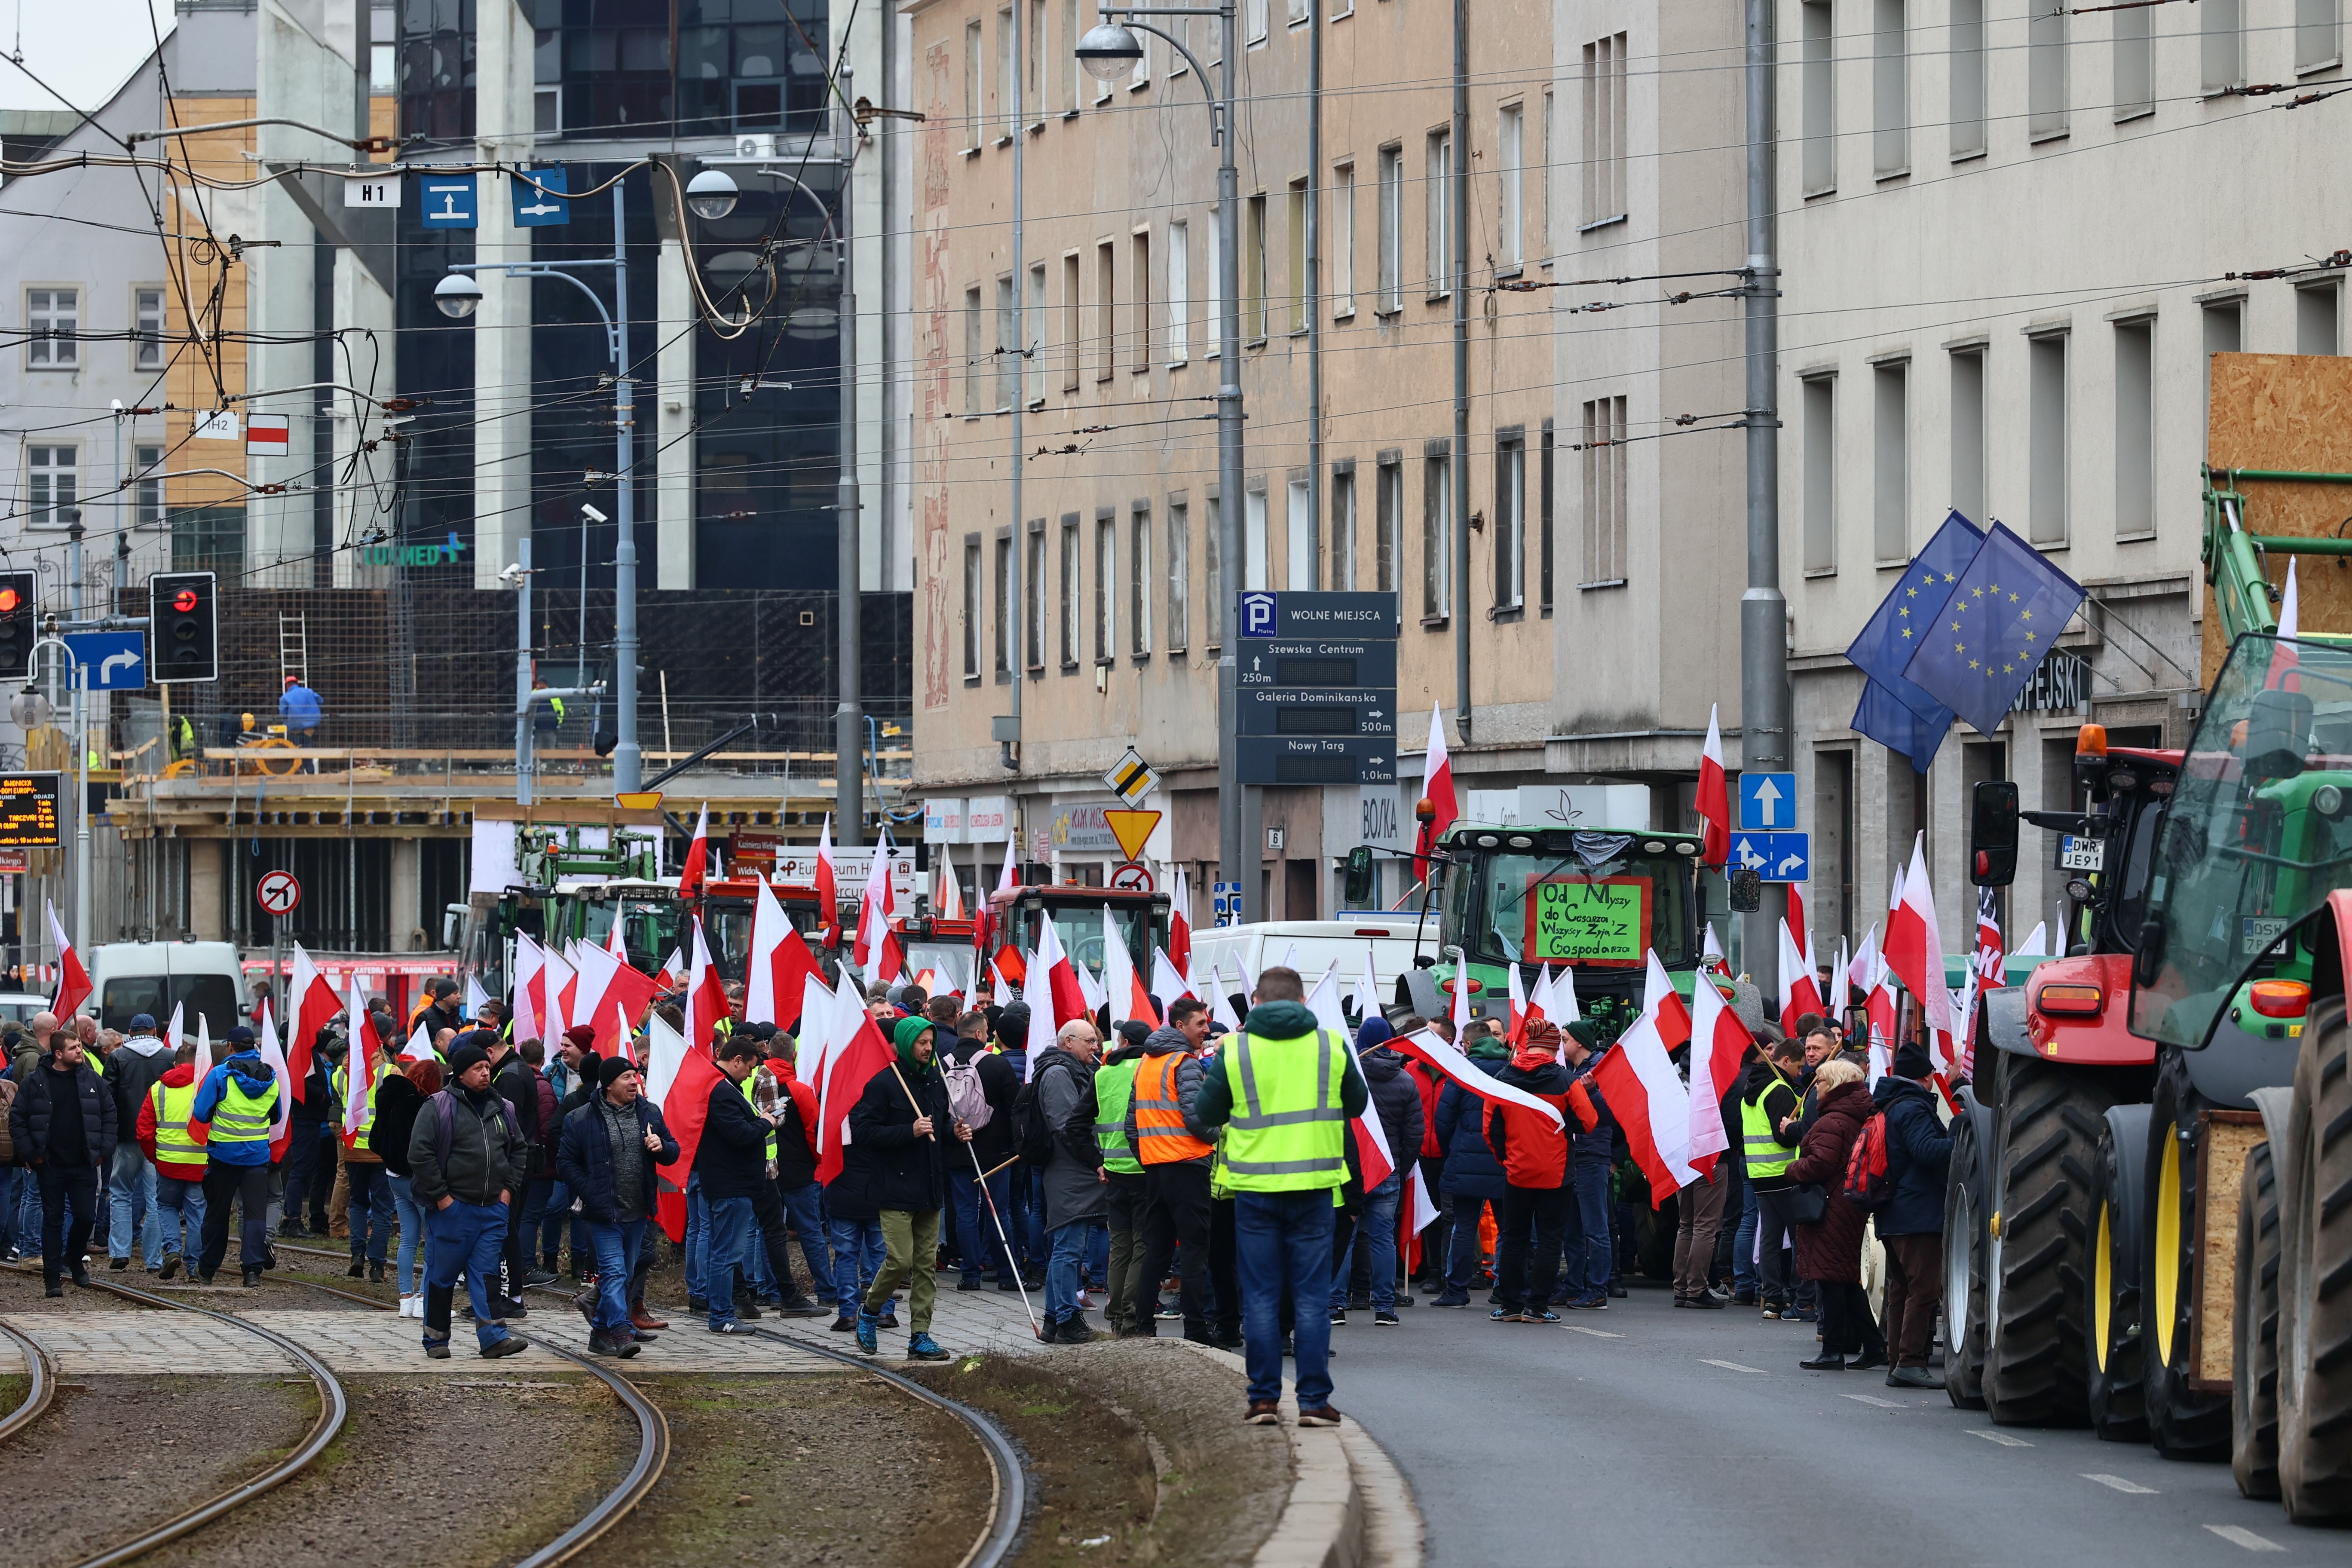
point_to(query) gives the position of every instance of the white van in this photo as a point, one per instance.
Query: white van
(128, 978)
(1314, 946)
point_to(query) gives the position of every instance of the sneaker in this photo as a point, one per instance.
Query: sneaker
(1073, 1330)
(1596, 1303)
(1264, 1413)
(1617, 1292)
(1384, 1319)
(749, 1311)
(510, 1345)
(1010, 1286)
(602, 1343)
(1771, 1314)
(1505, 1315)
(171, 1266)
(1318, 1415)
(1540, 1315)
(799, 1306)
(1453, 1299)
(735, 1326)
(541, 1277)
(1704, 1301)
(970, 1282)
(922, 1347)
(1911, 1377)
(292, 1228)
(1170, 1312)
(437, 1349)
(1338, 1318)
(252, 1279)
(118, 1263)
(866, 1324)
(1799, 1315)
(698, 1304)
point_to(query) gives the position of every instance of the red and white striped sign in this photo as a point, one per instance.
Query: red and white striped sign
(267, 435)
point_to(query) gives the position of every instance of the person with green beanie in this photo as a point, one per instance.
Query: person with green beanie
(896, 1163)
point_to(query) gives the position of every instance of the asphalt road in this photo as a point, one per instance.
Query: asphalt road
(1653, 1437)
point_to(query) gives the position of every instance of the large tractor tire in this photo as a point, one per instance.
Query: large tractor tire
(2182, 1422)
(2110, 1300)
(2253, 1397)
(2314, 1322)
(1964, 1269)
(2039, 1257)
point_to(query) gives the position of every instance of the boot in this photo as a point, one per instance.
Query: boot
(643, 1320)
(252, 1279)
(80, 1270)
(375, 1273)
(171, 1266)
(797, 1305)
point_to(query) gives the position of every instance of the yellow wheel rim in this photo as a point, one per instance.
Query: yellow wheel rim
(276, 767)
(2164, 1269)
(2101, 1289)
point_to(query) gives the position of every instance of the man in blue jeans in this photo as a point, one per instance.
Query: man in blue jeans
(1398, 1103)
(607, 1153)
(466, 1158)
(731, 1161)
(1284, 1089)
(1587, 1255)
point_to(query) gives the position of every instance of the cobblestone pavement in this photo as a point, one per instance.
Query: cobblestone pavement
(83, 1345)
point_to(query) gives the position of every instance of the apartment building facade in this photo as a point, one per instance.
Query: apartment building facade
(2005, 241)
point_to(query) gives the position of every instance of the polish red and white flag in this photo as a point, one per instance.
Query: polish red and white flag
(266, 1042)
(1436, 792)
(849, 1066)
(874, 911)
(706, 997)
(1168, 980)
(1800, 994)
(1915, 952)
(1054, 979)
(1648, 1099)
(73, 980)
(1424, 1046)
(697, 854)
(530, 989)
(828, 889)
(360, 1065)
(1664, 1007)
(1720, 1043)
(1179, 925)
(780, 964)
(1713, 796)
(556, 982)
(315, 1004)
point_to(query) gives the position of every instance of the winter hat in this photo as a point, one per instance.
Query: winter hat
(1584, 1035)
(240, 1036)
(608, 1073)
(581, 1035)
(143, 1024)
(1912, 1061)
(1544, 1033)
(906, 1032)
(1134, 1031)
(465, 1056)
(1373, 1031)
(1012, 1026)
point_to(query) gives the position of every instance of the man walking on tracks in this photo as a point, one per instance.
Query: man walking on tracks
(1284, 1089)
(62, 1124)
(235, 1111)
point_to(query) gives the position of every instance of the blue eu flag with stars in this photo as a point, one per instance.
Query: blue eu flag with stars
(1895, 712)
(2004, 613)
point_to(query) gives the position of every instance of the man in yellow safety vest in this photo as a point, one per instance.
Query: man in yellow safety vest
(180, 1160)
(238, 1106)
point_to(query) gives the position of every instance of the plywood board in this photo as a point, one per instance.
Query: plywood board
(2286, 411)
(2224, 1137)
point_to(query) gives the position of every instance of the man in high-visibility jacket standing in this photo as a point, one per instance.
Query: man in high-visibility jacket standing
(1285, 1091)
(238, 1106)
(180, 1162)
(1174, 1150)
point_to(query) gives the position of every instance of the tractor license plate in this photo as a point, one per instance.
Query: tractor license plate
(2260, 935)
(2080, 854)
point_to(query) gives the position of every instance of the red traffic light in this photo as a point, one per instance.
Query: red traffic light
(10, 601)
(184, 600)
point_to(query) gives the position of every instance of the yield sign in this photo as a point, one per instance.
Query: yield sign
(1131, 828)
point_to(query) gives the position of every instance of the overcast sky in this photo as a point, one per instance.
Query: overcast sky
(85, 49)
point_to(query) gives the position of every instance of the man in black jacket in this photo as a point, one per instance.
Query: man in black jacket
(63, 1125)
(1769, 1110)
(732, 1162)
(992, 1146)
(1911, 1222)
(308, 1155)
(517, 1082)
(606, 1156)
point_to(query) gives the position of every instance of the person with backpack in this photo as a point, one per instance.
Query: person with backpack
(1910, 1222)
(1057, 1144)
(466, 1154)
(981, 1088)
(1828, 1250)
(899, 1131)
(1175, 1151)
(1766, 1097)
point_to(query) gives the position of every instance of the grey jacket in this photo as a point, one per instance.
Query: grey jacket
(1074, 1189)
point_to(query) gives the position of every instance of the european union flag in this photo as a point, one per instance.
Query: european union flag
(2005, 612)
(1895, 712)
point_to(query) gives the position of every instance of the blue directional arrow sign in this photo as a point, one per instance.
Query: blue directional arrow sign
(1774, 856)
(110, 661)
(1768, 800)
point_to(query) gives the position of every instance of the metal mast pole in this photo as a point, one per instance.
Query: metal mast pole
(1020, 397)
(80, 676)
(522, 674)
(848, 737)
(1458, 201)
(1764, 716)
(1240, 866)
(628, 767)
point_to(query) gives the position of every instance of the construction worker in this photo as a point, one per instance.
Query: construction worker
(1284, 1089)
(163, 1137)
(1174, 1151)
(238, 1106)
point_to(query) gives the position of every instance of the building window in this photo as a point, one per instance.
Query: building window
(1296, 11)
(1388, 522)
(2316, 43)
(1139, 313)
(971, 609)
(2046, 417)
(1254, 270)
(1968, 484)
(1820, 395)
(975, 358)
(208, 538)
(1256, 566)
(2314, 319)
(1035, 318)
(1008, 78)
(1890, 107)
(1339, 241)
(1436, 532)
(1073, 331)
(1180, 574)
(972, 109)
(52, 488)
(1890, 462)
(2223, 323)
(1034, 603)
(1106, 310)
(1604, 492)
(1551, 140)
(2046, 74)
(1212, 557)
(1106, 586)
(1254, 22)
(1298, 525)
(1510, 154)
(1002, 642)
(2134, 50)
(2135, 429)
(1142, 75)
(150, 494)
(147, 317)
(1818, 78)
(1343, 526)
(1179, 292)
(1604, 131)
(1510, 521)
(1544, 514)
(1296, 263)
(1391, 238)
(1008, 347)
(2221, 52)
(1213, 271)
(1032, 52)
(1439, 163)
(52, 318)
(1968, 78)
(1073, 579)
(1139, 593)
(1078, 78)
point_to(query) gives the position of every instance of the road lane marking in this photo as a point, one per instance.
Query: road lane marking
(1734, 1366)
(2239, 1535)
(2003, 1438)
(1874, 1399)
(1596, 1333)
(2120, 1484)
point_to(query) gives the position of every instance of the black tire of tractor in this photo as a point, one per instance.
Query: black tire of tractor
(2114, 1386)
(2182, 1422)
(1964, 1237)
(2035, 1354)
(2314, 1324)
(2253, 1397)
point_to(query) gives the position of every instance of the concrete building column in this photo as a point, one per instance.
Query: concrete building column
(502, 360)
(207, 901)
(673, 397)
(403, 918)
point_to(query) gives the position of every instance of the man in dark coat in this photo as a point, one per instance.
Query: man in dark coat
(1911, 1222)
(1473, 1177)
(897, 1141)
(1587, 1251)
(732, 1161)
(992, 1142)
(63, 1124)
(1397, 1097)
(606, 1158)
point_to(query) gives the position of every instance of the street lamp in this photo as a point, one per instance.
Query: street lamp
(1108, 50)
(710, 194)
(456, 296)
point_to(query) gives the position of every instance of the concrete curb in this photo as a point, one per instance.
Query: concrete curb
(1349, 1506)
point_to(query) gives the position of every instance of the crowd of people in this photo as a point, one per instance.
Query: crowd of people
(1177, 1175)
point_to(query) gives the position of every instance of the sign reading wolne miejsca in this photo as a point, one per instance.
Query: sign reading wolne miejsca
(1315, 687)
(28, 811)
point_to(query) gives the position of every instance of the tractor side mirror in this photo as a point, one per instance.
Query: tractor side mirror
(1992, 834)
(1355, 884)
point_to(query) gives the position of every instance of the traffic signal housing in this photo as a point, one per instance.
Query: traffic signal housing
(19, 625)
(184, 611)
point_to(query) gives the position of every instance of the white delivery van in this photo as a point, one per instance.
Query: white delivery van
(1311, 947)
(128, 978)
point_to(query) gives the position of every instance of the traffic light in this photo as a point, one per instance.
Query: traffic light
(184, 612)
(19, 625)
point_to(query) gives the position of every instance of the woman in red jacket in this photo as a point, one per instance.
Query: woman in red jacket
(1533, 1150)
(1829, 1252)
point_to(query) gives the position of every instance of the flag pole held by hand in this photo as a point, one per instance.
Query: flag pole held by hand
(911, 1100)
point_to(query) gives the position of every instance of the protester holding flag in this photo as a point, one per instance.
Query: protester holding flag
(465, 1155)
(900, 1131)
(237, 1110)
(993, 1084)
(1828, 1250)
(1472, 1178)
(606, 1157)
(1586, 1249)
(1396, 1098)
